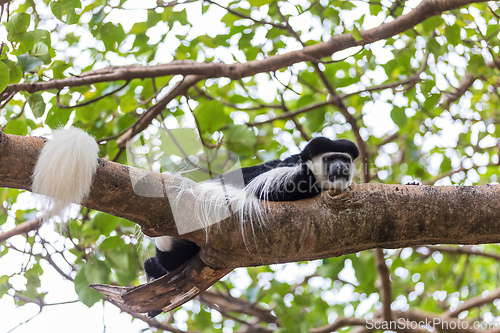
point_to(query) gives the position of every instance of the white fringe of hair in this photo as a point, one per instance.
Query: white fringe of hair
(164, 243)
(65, 169)
(317, 167)
(200, 205)
(67, 164)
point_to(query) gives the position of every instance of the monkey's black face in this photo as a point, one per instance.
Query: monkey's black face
(337, 167)
(333, 171)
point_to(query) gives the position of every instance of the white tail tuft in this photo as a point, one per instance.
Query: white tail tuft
(65, 169)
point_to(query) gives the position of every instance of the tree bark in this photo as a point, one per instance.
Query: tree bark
(364, 217)
(315, 53)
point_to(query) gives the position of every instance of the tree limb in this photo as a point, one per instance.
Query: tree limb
(364, 217)
(21, 228)
(167, 292)
(423, 11)
(385, 282)
(146, 118)
(473, 303)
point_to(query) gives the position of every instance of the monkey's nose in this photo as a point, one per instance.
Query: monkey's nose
(338, 171)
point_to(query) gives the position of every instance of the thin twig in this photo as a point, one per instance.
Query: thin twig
(89, 101)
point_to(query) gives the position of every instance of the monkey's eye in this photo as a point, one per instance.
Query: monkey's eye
(334, 158)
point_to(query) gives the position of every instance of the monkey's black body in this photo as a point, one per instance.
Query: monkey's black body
(67, 164)
(164, 262)
(303, 184)
(322, 158)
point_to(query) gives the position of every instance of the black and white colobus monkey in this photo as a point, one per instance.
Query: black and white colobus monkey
(323, 165)
(67, 164)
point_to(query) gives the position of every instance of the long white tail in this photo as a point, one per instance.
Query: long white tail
(65, 169)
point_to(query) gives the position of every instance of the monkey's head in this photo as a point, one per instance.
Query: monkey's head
(331, 162)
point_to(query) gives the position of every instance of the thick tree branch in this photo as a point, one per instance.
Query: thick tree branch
(336, 43)
(365, 217)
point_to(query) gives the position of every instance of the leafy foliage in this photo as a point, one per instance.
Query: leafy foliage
(423, 105)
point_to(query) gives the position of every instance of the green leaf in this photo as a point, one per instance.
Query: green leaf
(476, 64)
(42, 36)
(181, 17)
(452, 33)
(99, 16)
(16, 74)
(86, 295)
(362, 268)
(332, 267)
(16, 126)
(17, 24)
(57, 117)
(259, 3)
(105, 223)
(211, 116)
(240, 139)
(65, 10)
(37, 105)
(29, 63)
(111, 243)
(315, 119)
(446, 164)
(39, 49)
(96, 271)
(181, 142)
(398, 116)
(431, 101)
(356, 33)
(3, 219)
(24, 42)
(4, 76)
(375, 9)
(118, 259)
(432, 23)
(4, 279)
(112, 35)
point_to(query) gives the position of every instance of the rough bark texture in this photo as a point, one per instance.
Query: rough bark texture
(424, 10)
(168, 292)
(364, 217)
(112, 190)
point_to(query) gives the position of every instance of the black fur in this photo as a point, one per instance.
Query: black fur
(301, 186)
(165, 262)
(321, 145)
